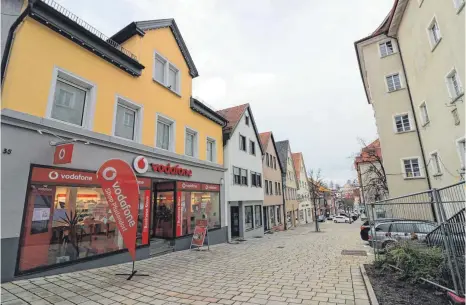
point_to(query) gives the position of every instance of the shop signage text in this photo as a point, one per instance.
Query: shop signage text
(121, 189)
(211, 187)
(190, 186)
(145, 218)
(141, 166)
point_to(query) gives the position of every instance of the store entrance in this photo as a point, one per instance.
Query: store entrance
(163, 210)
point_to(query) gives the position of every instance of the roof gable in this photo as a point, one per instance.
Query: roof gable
(233, 115)
(266, 138)
(297, 157)
(284, 150)
(141, 27)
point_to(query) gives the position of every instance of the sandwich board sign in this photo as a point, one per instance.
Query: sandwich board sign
(200, 235)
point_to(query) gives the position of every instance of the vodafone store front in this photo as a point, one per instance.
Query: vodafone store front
(55, 217)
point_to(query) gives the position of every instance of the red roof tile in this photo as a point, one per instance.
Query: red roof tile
(233, 115)
(369, 153)
(265, 136)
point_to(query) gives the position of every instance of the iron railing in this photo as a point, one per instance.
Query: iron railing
(88, 27)
(435, 218)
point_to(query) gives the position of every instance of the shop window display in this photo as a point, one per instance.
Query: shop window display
(164, 214)
(199, 206)
(65, 223)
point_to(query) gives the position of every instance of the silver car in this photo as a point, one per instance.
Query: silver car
(388, 234)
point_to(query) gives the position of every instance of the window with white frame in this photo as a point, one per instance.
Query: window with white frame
(70, 100)
(165, 133)
(256, 179)
(244, 177)
(190, 143)
(456, 117)
(236, 175)
(252, 147)
(386, 48)
(402, 123)
(211, 150)
(435, 160)
(127, 120)
(424, 114)
(434, 33)
(411, 168)
(166, 73)
(393, 82)
(242, 143)
(270, 188)
(454, 84)
(266, 187)
(461, 146)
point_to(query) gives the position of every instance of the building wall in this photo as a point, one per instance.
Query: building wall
(303, 193)
(290, 199)
(395, 146)
(243, 159)
(34, 41)
(271, 174)
(427, 69)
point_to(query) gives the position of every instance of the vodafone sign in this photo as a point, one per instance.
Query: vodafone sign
(121, 190)
(141, 166)
(41, 174)
(63, 154)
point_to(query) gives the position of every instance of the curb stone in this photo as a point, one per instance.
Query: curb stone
(367, 283)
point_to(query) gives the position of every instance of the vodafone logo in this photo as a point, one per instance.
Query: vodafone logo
(53, 175)
(61, 154)
(140, 164)
(109, 173)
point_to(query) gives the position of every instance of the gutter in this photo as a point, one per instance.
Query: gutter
(9, 41)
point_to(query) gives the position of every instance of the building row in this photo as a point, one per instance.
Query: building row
(413, 71)
(128, 96)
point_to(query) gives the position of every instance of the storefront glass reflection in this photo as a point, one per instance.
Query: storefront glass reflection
(164, 214)
(199, 205)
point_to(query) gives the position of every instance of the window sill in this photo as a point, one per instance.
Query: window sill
(407, 131)
(388, 55)
(125, 139)
(414, 178)
(460, 8)
(163, 85)
(454, 99)
(165, 149)
(436, 44)
(67, 123)
(396, 90)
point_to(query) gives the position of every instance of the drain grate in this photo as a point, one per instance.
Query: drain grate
(354, 252)
(280, 247)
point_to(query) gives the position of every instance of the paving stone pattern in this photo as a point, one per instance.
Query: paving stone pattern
(294, 267)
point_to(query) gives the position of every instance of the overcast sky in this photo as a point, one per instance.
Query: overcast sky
(293, 61)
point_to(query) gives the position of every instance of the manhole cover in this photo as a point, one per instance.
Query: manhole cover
(354, 252)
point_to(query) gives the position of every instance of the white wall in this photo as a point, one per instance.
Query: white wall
(233, 156)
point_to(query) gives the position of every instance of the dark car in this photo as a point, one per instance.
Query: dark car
(366, 227)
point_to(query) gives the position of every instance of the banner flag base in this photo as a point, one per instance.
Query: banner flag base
(133, 273)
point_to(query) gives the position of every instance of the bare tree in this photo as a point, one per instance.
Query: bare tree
(315, 182)
(372, 175)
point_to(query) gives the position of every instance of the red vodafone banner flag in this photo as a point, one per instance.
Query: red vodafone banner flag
(121, 190)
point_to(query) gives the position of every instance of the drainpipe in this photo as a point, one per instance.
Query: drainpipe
(429, 185)
(285, 224)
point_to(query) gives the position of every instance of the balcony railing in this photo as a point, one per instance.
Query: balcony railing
(88, 27)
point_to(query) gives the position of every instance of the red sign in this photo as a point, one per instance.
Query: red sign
(178, 214)
(199, 236)
(210, 187)
(201, 222)
(141, 166)
(145, 218)
(55, 175)
(189, 186)
(63, 154)
(121, 190)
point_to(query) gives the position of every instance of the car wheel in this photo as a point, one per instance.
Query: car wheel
(335, 221)
(388, 245)
(346, 221)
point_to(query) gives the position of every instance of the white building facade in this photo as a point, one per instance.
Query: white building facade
(305, 213)
(244, 191)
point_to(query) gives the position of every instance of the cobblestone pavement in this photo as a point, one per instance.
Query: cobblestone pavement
(292, 267)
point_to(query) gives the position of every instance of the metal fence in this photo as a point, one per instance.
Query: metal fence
(434, 218)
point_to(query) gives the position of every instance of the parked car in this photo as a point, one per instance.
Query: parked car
(321, 218)
(387, 234)
(365, 226)
(341, 218)
(330, 217)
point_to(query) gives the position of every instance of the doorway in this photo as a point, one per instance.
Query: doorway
(266, 222)
(163, 211)
(234, 214)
